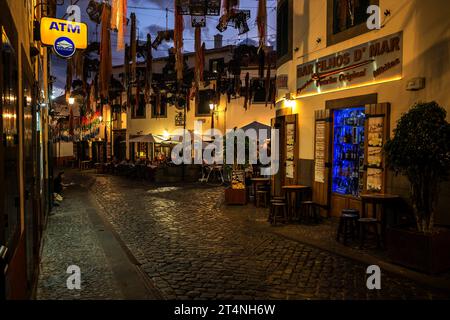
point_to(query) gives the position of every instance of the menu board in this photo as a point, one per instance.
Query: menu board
(375, 154)
(290, 147)
(374, 179)
(319, 166)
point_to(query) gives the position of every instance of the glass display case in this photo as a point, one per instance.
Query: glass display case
(348, 151)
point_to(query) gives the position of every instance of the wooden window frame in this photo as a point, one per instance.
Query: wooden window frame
(334, 38)
(133, 109)
(289, 54)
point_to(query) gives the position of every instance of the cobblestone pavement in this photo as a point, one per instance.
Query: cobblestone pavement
(70, 239)
(192, 246)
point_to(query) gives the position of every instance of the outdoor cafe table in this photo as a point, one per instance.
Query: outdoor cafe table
(294, 193)
(256, 182)
(383, 201)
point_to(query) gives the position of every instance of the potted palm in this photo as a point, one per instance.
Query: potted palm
(420, 150)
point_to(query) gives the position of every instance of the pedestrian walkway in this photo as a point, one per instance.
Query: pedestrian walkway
(133, 240)
(76, 236)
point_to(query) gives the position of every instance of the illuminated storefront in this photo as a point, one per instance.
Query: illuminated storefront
(348, 85)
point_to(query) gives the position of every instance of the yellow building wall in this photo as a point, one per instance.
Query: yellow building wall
(426, 53)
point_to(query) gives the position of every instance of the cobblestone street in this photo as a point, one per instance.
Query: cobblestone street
(192, 246)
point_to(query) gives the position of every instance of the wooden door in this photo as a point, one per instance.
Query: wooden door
(322, 158)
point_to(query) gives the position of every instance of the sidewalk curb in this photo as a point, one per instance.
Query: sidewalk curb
(152, 292)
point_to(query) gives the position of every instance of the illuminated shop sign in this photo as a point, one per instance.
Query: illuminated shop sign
(370, 63)
(65, 36)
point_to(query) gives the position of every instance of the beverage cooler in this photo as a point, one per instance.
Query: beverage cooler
(348, 155)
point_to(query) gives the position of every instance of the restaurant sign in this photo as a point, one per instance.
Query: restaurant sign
(370, 63)
(65, 36)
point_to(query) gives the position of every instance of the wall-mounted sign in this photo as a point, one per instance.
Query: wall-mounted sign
(65, 36)
(373, 62)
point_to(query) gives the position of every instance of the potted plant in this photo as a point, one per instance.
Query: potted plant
(420, 150)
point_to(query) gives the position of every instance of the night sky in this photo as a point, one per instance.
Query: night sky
(151, 18)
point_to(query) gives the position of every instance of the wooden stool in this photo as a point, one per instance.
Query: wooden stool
(369, 227)
(279, 199)
(348, 225)
(261, 196)
(310, 212)
(278, 210)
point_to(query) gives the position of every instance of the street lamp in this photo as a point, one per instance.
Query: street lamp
(71, 101)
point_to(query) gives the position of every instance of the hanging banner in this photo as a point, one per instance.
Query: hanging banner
(65, 36)
(370, 63)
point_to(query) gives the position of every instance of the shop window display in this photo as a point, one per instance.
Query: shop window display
(348, 151)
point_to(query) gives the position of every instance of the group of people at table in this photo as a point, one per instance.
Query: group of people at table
(142, 168)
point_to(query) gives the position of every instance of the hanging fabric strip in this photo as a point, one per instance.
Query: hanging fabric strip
(202, 61)
(148, 69)
(105, 53)
(267, 82)
(178, 42)
(262, 62)
(261, 21)
(198, 54)
(68, 79)
(121, 23)
(247, 90)
(133, 45)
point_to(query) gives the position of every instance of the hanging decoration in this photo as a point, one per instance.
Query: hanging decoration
(133, 48)
(198, 7)
(94, 11)
(148, 69)
(247, 90)
(167, 35)
(105, 53)
(267, 82)
(119, 21)
(261, 21)
(178, 43)
(262, 62)
(69, 71)
(198, 57)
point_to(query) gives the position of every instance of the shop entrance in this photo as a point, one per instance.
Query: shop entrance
(348, 155)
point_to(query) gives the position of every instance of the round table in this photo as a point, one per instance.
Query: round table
(256, 182)
(378, 199)
(294, 192)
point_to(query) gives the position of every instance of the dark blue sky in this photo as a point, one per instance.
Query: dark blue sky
(151, 18)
